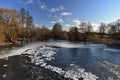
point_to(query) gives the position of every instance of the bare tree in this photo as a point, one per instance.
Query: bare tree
(102, 29)
(89, 30)
(29, 26)
(22, 21)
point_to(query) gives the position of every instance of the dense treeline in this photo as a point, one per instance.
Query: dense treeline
(17, 26)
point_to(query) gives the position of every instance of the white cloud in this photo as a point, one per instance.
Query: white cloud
(36, 25)
(68, 25)
(43, 7)
(54, 10)
(26, 1)
(60, 8)
(66, 13)
(77, 22)
(95, 26)
(55, 16)
(59, 20)
(29, 1)
(53, 22)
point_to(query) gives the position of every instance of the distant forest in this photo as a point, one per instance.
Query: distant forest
(18, 26)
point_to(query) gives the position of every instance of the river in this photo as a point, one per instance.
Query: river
(61, 61)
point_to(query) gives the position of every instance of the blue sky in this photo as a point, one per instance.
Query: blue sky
(67, 12)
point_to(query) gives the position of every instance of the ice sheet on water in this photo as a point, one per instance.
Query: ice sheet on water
(76, 45)
(40, 56)
(46, 54)
(19, 51)
(113, 68)
(5, 65)
(112, 50)
(4, 75)
(30, 47)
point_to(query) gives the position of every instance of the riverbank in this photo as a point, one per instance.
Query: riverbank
(7, 45)
(2, 46)
(105, 40)
(83, 61)
(108, 42)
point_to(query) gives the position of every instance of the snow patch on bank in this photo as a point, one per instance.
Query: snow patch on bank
(18, 51)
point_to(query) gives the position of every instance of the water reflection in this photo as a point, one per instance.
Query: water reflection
(92, 59)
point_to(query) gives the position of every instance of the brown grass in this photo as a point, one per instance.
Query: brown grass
(1, 52)
(5, 43)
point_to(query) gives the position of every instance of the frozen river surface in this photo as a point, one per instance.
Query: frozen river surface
(61, 61)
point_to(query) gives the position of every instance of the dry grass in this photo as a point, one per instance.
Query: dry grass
(104, 40)
(5, 43)
(1, 52)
